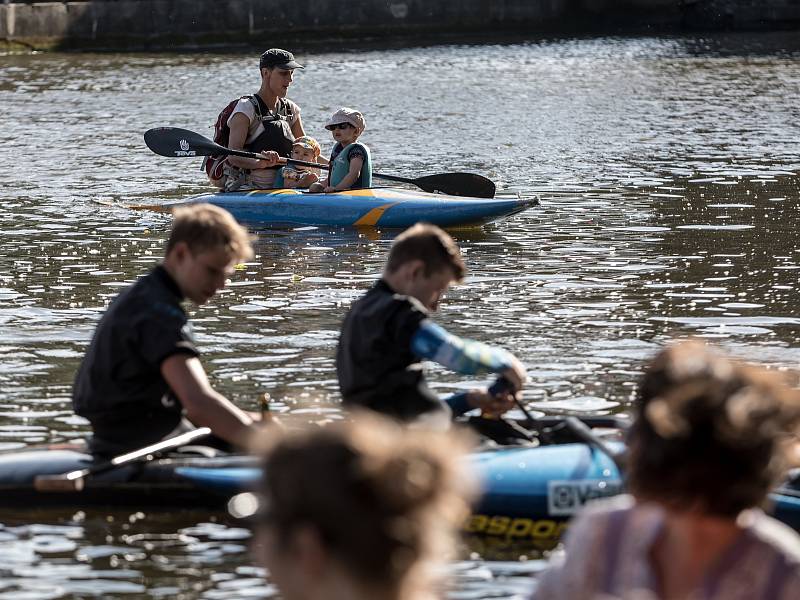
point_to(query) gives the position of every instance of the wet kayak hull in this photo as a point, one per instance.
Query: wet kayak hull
(391, 208)
(525, 489)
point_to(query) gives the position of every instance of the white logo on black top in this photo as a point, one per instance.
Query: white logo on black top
(168, 400)
(187, 332)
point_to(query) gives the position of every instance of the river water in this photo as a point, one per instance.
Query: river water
(668, 175)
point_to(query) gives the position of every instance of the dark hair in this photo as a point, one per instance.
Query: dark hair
(429, 244)
(708, 431)
(382, 499)
(207, 227)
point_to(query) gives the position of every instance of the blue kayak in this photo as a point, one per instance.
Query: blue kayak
(527, 491)
(375, 207)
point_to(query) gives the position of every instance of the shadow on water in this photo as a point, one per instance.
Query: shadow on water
(780, 44)
(733, 239)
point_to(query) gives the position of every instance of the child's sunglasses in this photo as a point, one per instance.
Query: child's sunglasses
(338, 126)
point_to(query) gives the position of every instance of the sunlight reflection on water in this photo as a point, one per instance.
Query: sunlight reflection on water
(667, 169)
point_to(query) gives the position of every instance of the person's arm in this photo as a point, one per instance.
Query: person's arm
(297, 127)
(489, 405)
(307, 179)
(348, 180)
(239, 125)
(320, 186)
(463, 355)
(205, 407)
(469, 357)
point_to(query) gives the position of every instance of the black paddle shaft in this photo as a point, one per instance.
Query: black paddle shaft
(174, 142)
(580, 429)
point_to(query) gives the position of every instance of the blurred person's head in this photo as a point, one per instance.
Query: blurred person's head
(710, 434)
(360, 510)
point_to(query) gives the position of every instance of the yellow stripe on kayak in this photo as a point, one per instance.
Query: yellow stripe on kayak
(276, 192)
(374, 215)
(362, 193)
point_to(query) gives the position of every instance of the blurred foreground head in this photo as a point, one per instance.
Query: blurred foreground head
(710, 434)
(361, 509)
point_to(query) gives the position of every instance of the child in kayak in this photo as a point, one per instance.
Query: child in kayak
(304, 148)
(351, 164)
(141, 379)
(388, 332)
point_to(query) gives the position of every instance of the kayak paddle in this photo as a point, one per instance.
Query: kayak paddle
(582, 431)
(74, 480)
(503, 385)
(181, 143)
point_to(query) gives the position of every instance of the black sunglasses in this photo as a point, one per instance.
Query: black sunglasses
(338, 126)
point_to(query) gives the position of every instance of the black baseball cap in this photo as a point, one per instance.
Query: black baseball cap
(275, 57)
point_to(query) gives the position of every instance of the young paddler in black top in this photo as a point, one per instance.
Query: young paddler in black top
(141, 378)
(388, 332)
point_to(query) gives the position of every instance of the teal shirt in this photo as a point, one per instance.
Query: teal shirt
(341, 167)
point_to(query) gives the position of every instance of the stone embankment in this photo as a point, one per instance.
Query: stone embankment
(165, 24)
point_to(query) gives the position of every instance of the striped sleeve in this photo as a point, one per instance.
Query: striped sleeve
(468, 357)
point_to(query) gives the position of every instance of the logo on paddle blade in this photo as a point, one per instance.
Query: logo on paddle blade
(184, 151)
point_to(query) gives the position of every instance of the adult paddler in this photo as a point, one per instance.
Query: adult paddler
(266, 122)
(141, 379)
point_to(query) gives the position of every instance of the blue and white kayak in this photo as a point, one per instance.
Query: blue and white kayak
(528, 492)
(375, 207)
(525, 490)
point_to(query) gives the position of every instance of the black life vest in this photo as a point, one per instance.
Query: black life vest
(277, 135)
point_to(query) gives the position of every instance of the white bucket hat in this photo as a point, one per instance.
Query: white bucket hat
(348, 115)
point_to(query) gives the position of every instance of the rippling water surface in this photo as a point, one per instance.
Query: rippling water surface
(668, 174)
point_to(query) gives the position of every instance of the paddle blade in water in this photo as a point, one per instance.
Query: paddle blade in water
(175, 142)
(457, 184)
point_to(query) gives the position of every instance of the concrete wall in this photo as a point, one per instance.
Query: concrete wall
(164, 22)
(175, 23)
